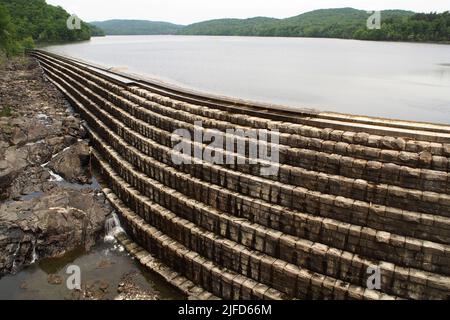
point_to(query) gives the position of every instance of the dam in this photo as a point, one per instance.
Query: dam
(352, 198)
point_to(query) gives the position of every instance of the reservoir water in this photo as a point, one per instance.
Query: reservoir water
(409, 81)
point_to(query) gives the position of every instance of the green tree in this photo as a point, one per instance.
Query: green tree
(24, 22)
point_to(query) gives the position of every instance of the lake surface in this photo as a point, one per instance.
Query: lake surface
(408, 81)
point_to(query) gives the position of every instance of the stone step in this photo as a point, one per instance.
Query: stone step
(329, 230)
(413, 125)
(296, 143)
(377, 172)
(187, 287)
(287, 278)
(358, 189)
(305, 254)
(318, 139)
(132, 176)
(237, 106)
(430, 227)
(354, 293)
(220, 281)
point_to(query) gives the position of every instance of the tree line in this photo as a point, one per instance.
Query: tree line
(423, 27)
(26, 22)
(344, 23)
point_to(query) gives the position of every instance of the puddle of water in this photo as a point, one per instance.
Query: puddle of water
(27, 197)
(95, 185)
(31, 196)
(103, 263)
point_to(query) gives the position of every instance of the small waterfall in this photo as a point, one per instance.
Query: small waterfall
(34, 256)
(112, 227)
(14, 266)
(54, 177)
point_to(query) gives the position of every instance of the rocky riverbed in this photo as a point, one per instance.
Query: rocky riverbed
(50, 202)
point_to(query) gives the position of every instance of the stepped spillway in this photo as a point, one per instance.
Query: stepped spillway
(351, 193)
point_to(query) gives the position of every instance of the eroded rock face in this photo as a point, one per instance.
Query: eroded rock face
(39, 125)
(39, 218)
(73, 164)
(31, 180)
(49, 226)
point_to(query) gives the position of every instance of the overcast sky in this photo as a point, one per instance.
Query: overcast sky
(189, 11)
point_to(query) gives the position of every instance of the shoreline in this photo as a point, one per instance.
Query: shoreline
(251, 36)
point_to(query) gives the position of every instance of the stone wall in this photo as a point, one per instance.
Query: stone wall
(350, 194)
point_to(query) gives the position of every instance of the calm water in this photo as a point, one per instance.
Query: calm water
(396, 80)
(31, 283)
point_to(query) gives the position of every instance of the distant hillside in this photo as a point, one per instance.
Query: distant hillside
(136, 27)
(330, 23)
(96, 31)
(345, 23)
(423, 27)
(224, 27)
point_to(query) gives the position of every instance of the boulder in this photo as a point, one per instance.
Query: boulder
(14, 162)
(18, 136)
(21, 169)
(49, 226)
(73, 163)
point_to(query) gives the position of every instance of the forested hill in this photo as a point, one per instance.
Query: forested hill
(136, 27)
(329, 23)
(423, 27)
(345, 23)
(23, 22)
(231, 27)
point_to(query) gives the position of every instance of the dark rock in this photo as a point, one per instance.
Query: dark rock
(72, 164)
(55, 141)
(50, 226)
(18, 137)
(72, 125)
(103, 286)
(45, 220)
(33, 179)
(69, 140)
(3, 165)
(36, 131)
(14, 162)
(95, 290)
(39, 153)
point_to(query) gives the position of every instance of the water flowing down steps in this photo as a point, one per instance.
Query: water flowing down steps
(351, 193)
